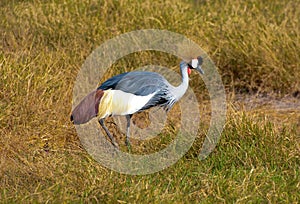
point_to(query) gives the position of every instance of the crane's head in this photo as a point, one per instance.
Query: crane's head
(196, 64)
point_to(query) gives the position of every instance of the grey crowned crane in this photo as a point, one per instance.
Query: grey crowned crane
(132, 92)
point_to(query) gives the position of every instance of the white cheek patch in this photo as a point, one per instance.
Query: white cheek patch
(194, 63)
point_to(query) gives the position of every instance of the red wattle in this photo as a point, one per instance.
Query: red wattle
(189, 71)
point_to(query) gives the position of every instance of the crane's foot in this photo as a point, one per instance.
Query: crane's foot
(115, 144)
(128, 144)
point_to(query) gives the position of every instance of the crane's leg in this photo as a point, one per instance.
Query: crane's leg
(101, 122)
(128, 118)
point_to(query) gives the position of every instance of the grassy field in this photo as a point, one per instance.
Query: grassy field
(256, 46)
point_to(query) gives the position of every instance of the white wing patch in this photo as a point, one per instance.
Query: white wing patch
(126, 103)
(117, 102)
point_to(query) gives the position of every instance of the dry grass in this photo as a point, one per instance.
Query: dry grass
(254, 43)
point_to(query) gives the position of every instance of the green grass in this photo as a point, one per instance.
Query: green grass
(255, 45)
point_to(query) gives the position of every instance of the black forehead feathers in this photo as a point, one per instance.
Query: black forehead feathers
(200, 60)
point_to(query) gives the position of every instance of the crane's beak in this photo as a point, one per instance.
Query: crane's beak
(199, 69)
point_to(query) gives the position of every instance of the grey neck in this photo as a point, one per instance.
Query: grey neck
(180, 90)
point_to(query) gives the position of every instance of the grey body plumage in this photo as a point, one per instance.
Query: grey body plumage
(142, 83)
